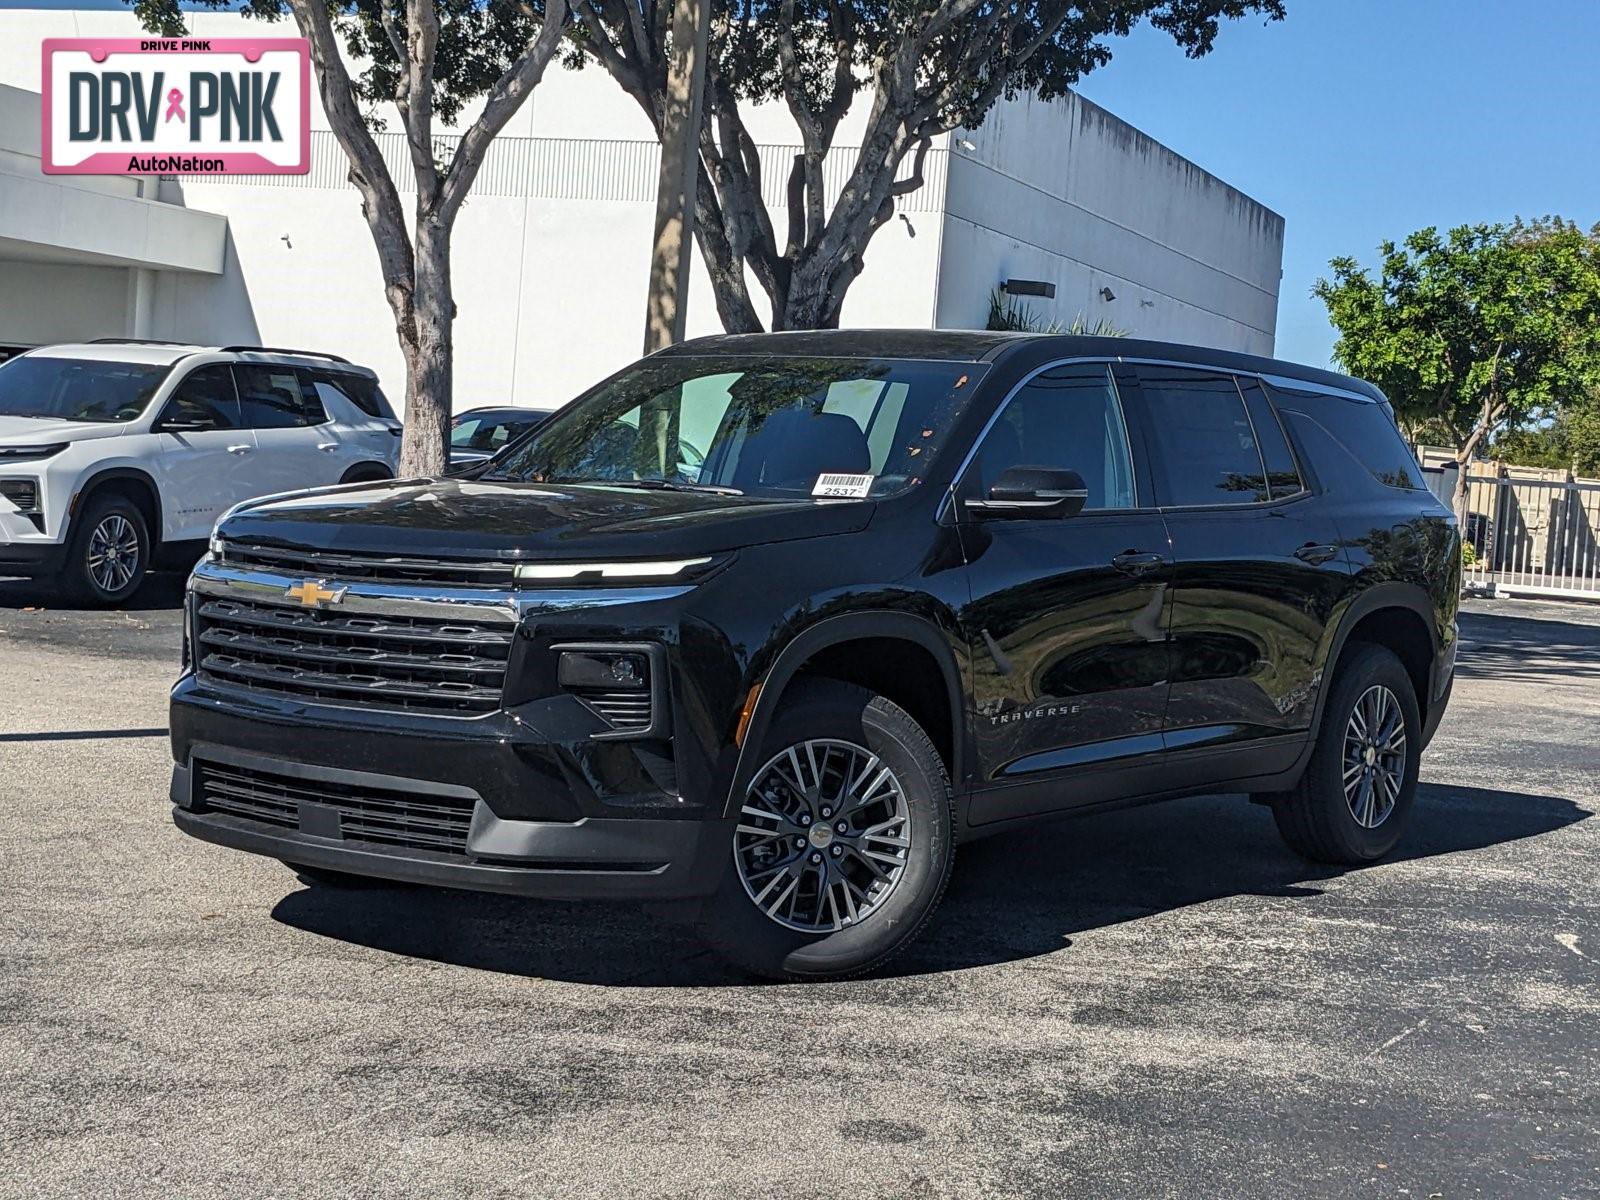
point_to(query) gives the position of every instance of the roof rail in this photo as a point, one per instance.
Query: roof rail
(135, 342)
(283, 350)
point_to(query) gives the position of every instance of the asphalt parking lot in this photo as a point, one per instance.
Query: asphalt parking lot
(1157, 1002)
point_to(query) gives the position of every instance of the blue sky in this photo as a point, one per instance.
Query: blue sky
(1365, 119)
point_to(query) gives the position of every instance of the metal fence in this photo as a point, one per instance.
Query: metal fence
(1534, 536)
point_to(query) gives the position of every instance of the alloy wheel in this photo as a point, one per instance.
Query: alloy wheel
(1374, 756)
(113, 553)
(824, 836)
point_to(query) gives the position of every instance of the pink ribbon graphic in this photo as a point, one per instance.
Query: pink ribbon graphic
(175, 105)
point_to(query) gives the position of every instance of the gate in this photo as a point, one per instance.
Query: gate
(1534, 537)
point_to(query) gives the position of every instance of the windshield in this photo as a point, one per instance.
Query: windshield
(77, 389)
(487, 433)
(777, 427)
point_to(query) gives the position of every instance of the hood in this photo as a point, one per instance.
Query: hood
(30, 431)
(470, 519)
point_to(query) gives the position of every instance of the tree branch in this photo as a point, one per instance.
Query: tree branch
(503, 100)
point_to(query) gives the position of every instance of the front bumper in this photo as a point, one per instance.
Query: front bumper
(589, 858)
(31, 558)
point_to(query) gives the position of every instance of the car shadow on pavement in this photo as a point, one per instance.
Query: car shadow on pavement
(1516, 648)
(161, 590)
(1012, 897)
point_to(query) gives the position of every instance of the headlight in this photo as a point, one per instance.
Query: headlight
(561, 572)
(11, 454)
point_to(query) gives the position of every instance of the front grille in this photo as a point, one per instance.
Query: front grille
(366, 814)
(408, 664)
(373, 568)
(24, 493)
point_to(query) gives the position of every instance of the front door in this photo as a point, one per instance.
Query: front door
(1067, 624)
(1259, 568)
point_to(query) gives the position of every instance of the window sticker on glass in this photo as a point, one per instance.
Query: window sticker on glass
(853, 487)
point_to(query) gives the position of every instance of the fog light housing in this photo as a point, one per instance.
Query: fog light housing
(624, 684)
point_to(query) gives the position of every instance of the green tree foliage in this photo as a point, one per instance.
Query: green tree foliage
(1567, 441)
(1474, 332)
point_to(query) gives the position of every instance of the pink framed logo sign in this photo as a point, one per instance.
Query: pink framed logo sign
(177, 106)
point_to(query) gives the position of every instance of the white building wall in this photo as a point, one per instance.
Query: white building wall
(1066, 193)
(551, 251)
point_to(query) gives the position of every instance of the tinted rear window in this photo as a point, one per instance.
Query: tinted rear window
(1205, 446)
(1365, 430)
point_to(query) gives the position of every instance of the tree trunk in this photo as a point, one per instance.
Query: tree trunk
(676, 189)
(430, 356)
(1461, 495)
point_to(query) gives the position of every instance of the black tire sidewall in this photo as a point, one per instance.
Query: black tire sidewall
(1323, 788)
(76, 579)
(825, 709)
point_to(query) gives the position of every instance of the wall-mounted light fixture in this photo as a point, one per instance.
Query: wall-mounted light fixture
(1107, 295)
(1029, 287)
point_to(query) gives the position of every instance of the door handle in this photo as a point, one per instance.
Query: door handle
(1136, 562)
(1314, 554)
(327, 445)
(238, 449)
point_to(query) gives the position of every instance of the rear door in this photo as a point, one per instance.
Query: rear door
(283, 411)
(203, 456)
(359, 421)
(1259, 570)
(1067, 619)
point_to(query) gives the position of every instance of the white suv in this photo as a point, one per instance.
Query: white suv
(116, 453)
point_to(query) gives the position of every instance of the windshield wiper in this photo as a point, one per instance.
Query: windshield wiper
(664, 485)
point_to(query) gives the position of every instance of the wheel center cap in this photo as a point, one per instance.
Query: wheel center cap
(821, 835)
(1371, 755)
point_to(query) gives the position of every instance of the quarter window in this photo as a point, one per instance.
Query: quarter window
(1067, 419)
(360, 390)
(1364, 429)
(1204, 444)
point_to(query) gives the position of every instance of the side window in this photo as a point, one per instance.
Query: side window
(1068, 419)
(316, 414)
(1365, 430)
(274, 398)
(1283, 475)
(1203, 442)
(204, 400)
(360, 390)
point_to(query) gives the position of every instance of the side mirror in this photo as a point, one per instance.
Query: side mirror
(1032, 492)
(173, 421)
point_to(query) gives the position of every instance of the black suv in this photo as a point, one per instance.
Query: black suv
(768, 624)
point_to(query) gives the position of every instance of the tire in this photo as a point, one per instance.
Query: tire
(849, 908)
(323, 877)
(366, 473)
(108, 552)
(1318, 819)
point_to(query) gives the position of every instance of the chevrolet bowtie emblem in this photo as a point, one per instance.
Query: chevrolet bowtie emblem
(311, 594)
